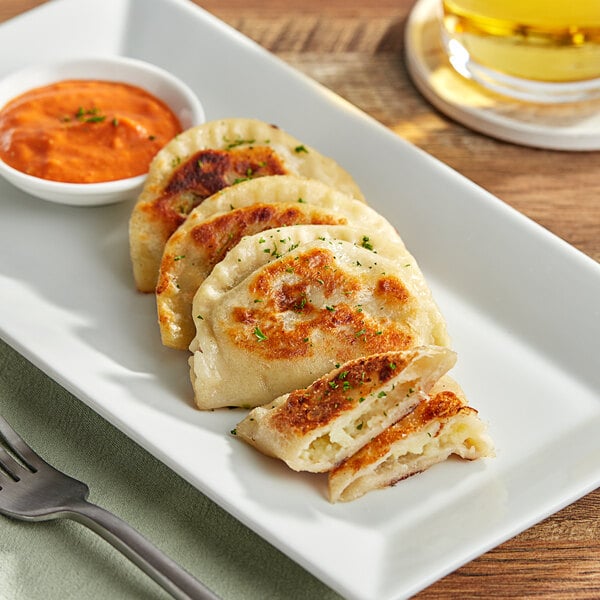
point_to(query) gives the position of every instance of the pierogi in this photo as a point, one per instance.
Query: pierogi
(286, 305)
(205, 159)
(302, 303)
(442, 424)
(219, 223)
(316, 428)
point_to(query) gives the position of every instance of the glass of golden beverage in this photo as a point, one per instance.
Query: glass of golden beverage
(537, 50)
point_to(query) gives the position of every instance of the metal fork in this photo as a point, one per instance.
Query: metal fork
(33, 490)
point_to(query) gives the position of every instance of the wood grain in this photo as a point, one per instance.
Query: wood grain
(356, 49)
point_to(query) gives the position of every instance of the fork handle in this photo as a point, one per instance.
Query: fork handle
(166, 572)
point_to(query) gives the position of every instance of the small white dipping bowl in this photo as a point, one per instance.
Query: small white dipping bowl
(172, 91)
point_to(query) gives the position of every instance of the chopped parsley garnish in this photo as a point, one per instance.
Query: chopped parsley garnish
(301, 303)
(92, 115)
(238, 142)
(260, 336)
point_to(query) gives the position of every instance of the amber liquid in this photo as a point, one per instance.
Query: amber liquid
(537, 40)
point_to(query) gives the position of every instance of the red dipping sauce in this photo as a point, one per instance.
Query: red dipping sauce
(85, 131)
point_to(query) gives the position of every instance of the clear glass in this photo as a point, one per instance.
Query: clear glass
(539, 50)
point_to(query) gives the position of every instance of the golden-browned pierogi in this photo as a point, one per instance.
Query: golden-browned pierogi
(218, 224)
(441, 425)
(205, 159)
(284, 306)
(316, 428)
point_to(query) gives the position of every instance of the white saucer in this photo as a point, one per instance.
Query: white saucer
(567, 126)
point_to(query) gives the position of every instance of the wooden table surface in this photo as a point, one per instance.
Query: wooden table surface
(355, 48)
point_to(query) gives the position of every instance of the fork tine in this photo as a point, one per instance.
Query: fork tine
(16, 443)
(9, 465)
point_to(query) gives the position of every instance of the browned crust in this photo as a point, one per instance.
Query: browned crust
(328, 397)
(355, 332)
(443, 406)
(205, 173)
(216, 236)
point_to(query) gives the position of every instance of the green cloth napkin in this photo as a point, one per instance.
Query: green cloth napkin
(64, 560)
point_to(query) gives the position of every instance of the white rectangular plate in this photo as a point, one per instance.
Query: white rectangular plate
(523, 309)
